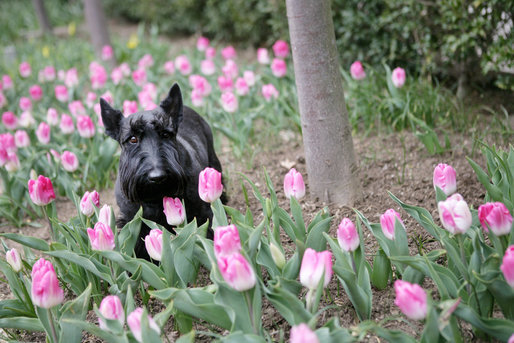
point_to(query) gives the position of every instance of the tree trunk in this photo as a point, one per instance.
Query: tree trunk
(327, 138)
(97, 25)
(44, 22)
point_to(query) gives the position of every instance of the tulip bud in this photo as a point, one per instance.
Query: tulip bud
(104, 216)
(455, 214)
(237, 271)
(277, 255)
(226, 240)
(111, 308)
(398, 77)
(387, 222)
(302, 333)
(209, 185)
(347, 235)
(294, 185)
(134, 323)
(507, 266)
(496, 216)
(13, 258)
(173, 210)
(101, 237)
(153, 244)
(357, 70)
(88, 202)
(411, 299)
(41, 191)
(45, 291)
(445, 178)
(314, 264)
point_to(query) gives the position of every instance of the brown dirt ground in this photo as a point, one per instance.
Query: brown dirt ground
(388, 162)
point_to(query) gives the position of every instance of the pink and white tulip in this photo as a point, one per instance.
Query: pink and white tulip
(269, 91)
(302, 333)
(45, 290)
(226, 240)
(41, 191)
(12, 257)
(210, 187)
(237, 271)
(66, 124)
(153, 244)
(347, 235)
(228, 52)
(52, 117)
(25, 104)
(387, 223)
(445, 178)
(69, 161)
(398, 77)
(495, 216)
(9, 120)
(357, 71)
(314, 266)
(36, 92)
(129, 107)
(281, 49)
(43, 133)
(101, 237)
(263, 56)
(111, 308)
(229, 102)
(107, 52)
(507, 266)
(104, 216)
(134, 323)
(89, 201)
(183, 65)
(294, 185)
(173, 210)
(85, 126)
(207, 67)
(278, 67)
(22, 139)
(202, 43)
(61, 93)
(455, 214)
(411, 299)
(25, 69)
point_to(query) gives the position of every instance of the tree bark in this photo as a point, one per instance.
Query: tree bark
(97, 25)
(44, 22)
(328, 144)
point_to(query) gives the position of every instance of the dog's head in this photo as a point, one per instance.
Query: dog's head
(150, 165)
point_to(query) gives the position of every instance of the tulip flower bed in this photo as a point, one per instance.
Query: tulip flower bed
(271, 252)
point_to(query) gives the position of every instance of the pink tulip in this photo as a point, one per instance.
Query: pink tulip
(387, 223)
(125, 68)
(496, 216)
(263, 56)
(77, 108)
(85, 126)
(225, 83)
(269, 91)
(107, 52)
(197, 98)
(111, 308)
(249, 77)
(302, 333)
(347, 235)
(97, 75)
(69, 161)
(507, 266)
(45, 291)
(169, 67)
(281, 49)
(207, 67)
(183, 65)
(153, 244)
(26, 119)
(226, 240)
(22, 139)
(237, 271)
(7, 142)
(278, 67)
(202, 43)
(134, 323)
(294, 185)
(101, 237)
(229, 102)
(116, 76)
(61, 93)
(314, 264)
(145, 62)
(511, 339)
(210, 53)
(89, 201)
(241, 86)
(66, 124)
(455, 214)
(56, 155)
(357, 70)
(209, 185)
(230, 69)
(104, 216)
(43, 133)
(49, 73)
(445, 178)
(12, 257)
(139, 77)
(25, 69)
(7, 82)
(411, 299)
(52, 117)
(36, 92)
(129, 107)
(71, 78)
(173, 210)
(10, 120)
(25, 104)
(228, 53)
(398, 77)
(12, 163)
(200, 85)
(90, 99)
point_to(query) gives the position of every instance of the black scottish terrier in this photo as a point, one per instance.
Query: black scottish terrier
(163, 152)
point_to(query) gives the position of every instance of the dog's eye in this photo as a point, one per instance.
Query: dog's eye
(165, 134)
(133, 139)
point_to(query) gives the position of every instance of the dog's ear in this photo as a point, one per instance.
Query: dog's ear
(173, 106)
(111, 119)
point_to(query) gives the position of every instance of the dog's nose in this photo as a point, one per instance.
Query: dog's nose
(157, 176)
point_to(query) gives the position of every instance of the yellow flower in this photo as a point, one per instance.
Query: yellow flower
(133, 42)
(72, 28)
(45, 51)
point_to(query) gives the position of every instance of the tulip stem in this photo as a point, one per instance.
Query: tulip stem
(353, 263)
(250, 310)
(52, 233)
(309, 299)
(52, 325)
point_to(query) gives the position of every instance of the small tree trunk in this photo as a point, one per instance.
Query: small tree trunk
(97, 25)
(44, 22)
(328, 144)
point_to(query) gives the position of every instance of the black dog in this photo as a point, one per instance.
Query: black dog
(163, 152)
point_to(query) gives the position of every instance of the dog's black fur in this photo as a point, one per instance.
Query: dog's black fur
(163, 152)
